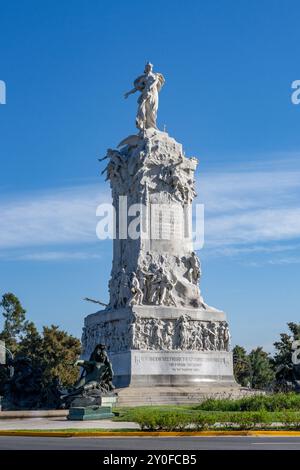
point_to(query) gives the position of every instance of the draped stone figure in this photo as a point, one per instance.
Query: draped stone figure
(149, 84)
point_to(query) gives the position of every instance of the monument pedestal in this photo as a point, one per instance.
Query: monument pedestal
(88, 413)
(159, 346)
(84, 413)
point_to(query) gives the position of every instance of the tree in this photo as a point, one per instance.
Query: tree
(59, 352)
(254, 369)
(31, 344)
(14, 321)
(52, 352)
(241, 366)
(262, 374)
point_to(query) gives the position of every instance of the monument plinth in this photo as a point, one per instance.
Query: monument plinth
(157, 328)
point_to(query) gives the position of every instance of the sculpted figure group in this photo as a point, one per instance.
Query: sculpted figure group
(183, 333)
(155, 281)
(141, 166)
(141, 333)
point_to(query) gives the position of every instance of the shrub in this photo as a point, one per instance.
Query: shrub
(276, 402)
(155, 420)
(290, 420)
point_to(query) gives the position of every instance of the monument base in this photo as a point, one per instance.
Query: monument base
(159, 346)
(101, 411)
(172, 368)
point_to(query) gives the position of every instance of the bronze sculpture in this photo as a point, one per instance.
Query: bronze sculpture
(94, 382)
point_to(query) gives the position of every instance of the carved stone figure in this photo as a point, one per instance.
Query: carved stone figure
(195, 267)
(221, 337)
(206, 335)
(137, 293)
(226, 337)
(213, 336)
(135, 333)
(157, 334)
(163, 286)
(149, 84)
(148, 333)
(115, 168)
(124, 288)
(167, 334)
(182, 332)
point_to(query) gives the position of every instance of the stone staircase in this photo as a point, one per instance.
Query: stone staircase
(139, 396)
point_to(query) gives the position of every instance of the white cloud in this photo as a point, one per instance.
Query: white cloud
(249, 208)
(253, 226)
(54, 256)
(274, 262)
(59, 216)
(237, 250)
(243, 190)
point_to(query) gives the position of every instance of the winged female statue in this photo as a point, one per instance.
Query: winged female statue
(149, 84)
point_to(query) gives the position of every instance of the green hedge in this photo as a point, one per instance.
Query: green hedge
(276, 402)
(171, 421)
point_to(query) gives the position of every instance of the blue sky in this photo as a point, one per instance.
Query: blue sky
(228, 66)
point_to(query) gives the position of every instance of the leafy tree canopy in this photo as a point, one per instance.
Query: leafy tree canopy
(14, 321)
(53, 351)
(261, 368)
(241, 366)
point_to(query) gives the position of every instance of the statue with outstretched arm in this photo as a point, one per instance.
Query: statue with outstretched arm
(149, 85)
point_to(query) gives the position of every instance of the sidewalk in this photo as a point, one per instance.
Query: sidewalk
(62, 423)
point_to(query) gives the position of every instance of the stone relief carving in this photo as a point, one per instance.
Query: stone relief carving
(158, 280)
(152, 333)
(155, 162)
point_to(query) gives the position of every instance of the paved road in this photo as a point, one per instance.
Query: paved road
(162, 443)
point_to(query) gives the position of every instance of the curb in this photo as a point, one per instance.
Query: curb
(147, 434)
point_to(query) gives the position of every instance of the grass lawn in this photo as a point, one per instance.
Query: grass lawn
(132, 414)
(259, 412)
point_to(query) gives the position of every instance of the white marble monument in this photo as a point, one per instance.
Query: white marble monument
(157, 328)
